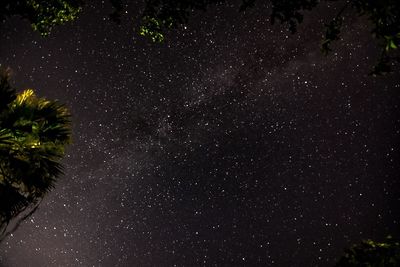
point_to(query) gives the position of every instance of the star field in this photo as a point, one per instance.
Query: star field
(234, 143)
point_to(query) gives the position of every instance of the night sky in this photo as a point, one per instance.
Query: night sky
(233, 143)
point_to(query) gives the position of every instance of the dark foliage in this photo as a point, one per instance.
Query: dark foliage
(373, 254)
(159, 16)
(42, 14)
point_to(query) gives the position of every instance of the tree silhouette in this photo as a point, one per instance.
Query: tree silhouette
(33, 136)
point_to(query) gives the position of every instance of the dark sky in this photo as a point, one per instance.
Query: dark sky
(234, 143)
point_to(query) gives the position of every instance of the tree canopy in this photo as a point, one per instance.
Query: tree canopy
(42, 14)
(384, 16)
(159, 16)
(33, 135)
(372, 253)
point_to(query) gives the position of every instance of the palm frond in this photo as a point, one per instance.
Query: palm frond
(33, 136)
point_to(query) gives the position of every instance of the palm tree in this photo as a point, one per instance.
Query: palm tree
(33, 135)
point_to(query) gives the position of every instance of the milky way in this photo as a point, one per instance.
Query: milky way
(234, 143)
